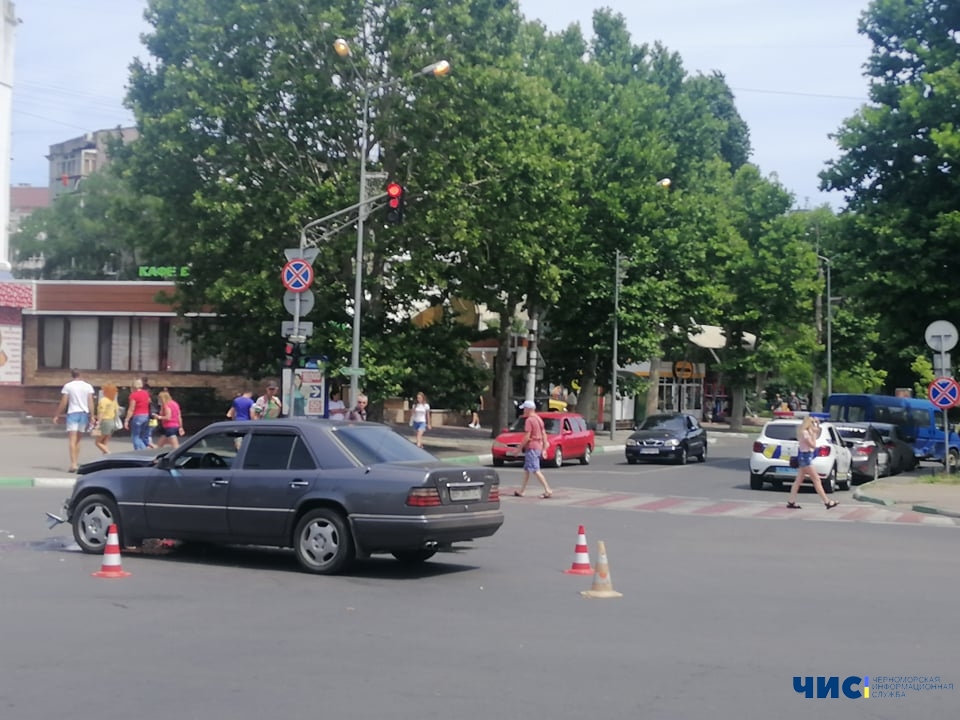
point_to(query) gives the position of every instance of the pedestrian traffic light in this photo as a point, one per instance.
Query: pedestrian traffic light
(291, 355)
(395, 194)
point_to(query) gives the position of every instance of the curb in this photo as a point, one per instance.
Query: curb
(934, 511)
(61, 483)
(857, 495)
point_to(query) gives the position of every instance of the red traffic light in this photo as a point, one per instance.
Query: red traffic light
(394, 202)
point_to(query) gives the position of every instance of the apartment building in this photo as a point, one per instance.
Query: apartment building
(73, 160)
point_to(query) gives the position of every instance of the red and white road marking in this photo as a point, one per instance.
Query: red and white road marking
(849, 511)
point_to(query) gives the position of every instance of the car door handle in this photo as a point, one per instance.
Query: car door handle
(298, 483)
(219, 481)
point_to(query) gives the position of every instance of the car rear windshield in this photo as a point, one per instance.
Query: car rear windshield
(372, 445)
(781, 431)
(853, 433)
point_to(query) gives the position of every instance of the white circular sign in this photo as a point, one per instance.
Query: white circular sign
(941, 335)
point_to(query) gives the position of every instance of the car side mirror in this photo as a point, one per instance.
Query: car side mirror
(162, 461)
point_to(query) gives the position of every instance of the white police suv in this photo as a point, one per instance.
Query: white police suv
(774, 456)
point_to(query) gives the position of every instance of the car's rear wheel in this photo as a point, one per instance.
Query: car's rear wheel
(830, 481)
(756, 481)
(585, 460)
(91, 521)
(953, 459)
(558, 457)
(414, 557)
(322, 542)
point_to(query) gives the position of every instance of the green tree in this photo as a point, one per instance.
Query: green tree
(897, 167)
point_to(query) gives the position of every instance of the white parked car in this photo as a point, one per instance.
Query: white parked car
(774, 456)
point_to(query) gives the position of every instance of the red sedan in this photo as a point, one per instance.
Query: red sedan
(568, 438)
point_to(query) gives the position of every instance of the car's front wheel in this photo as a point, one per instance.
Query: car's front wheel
(498, 462)
(682, 455)
(702, 457)
(322, 542)
(91, 521)
(585, 460)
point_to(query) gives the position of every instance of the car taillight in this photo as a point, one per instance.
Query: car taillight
(890, 446)
(423, 497)
(758, 446)
(865, 449)
(494, 494)
(822, 451)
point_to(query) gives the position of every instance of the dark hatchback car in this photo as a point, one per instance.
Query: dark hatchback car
(671, 436)
(332, 491)
(902, 457)
(869, 457)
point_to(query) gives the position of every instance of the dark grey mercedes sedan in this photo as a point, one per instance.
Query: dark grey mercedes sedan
(332, 491)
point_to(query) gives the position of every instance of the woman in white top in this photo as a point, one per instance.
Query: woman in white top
(420, 417)
(335, 408)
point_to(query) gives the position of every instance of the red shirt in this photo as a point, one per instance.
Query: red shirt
(140, 402)
(534, 425)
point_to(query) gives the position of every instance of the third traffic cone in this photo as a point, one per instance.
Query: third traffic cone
(581, 558)
(602, 585)
(111, 568)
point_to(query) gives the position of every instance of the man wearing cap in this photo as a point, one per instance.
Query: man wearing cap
(533, 445)
(268, 406)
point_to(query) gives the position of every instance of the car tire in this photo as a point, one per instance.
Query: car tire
(498, 462)
(632, 461)
(322, 542)
(953, 459)
(756, 481)
(830, 481)
(682, 455)
(414, 557)
(91, 520)
(702, 457)
(587, 451)
(558, 457)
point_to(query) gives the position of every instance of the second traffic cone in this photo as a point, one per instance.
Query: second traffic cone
(602, 585)
(581, 558)
(111, 567)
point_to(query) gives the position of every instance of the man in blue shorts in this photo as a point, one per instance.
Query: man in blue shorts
(534, 444)
(76, 397)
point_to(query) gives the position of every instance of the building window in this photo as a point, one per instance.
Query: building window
(137, 344)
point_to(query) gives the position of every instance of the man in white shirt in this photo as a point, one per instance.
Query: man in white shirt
(76, 398)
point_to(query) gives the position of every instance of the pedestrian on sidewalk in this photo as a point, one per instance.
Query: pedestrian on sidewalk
(76, 398)
(108, 417)
(534, 447)
(241, 406)
(359, 412)
(138, 416)
(171, 421)
(268, 405)
(420, 417)
(807, 436)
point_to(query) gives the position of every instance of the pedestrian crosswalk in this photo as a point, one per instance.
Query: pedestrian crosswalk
(812, 509)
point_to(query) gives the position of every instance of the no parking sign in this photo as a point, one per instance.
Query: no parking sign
(944, 392)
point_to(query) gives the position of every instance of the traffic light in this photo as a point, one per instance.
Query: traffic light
(395, 194)
(291, 355)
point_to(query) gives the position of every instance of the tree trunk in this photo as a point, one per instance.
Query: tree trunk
(737, 406)
(653, 391)
(587, 397)
(504, 366)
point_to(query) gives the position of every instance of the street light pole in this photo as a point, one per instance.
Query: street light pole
(829, 328)
(438, 69)
(616, 341)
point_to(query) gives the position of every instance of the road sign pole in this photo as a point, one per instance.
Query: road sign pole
(946, 421)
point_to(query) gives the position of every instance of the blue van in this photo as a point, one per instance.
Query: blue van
(919, 421)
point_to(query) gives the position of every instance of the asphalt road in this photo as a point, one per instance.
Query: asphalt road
(718, 615)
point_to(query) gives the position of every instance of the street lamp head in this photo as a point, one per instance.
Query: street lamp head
(440, 68)
(664, 182)
(341, 47)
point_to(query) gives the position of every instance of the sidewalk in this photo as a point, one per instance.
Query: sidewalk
(911, 493)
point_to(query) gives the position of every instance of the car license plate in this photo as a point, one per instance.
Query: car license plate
(649, 451)
(464, 494)
(785, 471)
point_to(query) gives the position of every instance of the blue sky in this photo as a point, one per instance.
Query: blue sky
(795, 68)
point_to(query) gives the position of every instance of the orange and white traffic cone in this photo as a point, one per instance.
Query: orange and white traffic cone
(111, 568)
(602, 585)
(581, 557)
